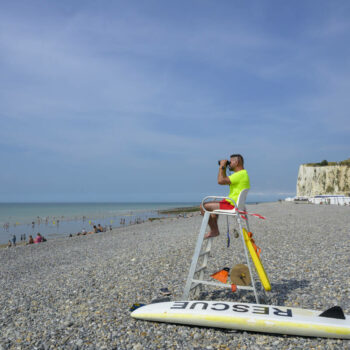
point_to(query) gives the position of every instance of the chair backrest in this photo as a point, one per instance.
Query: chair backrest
(242, 198)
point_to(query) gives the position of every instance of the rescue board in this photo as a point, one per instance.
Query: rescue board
(257, 262)
(331, 323)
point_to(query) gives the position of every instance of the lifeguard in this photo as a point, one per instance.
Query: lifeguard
(238, 181)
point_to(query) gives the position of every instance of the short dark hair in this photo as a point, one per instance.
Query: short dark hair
(240, 158)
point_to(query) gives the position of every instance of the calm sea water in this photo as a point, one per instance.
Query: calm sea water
(52, 219)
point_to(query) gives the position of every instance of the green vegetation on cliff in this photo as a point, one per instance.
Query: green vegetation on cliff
(326, 163)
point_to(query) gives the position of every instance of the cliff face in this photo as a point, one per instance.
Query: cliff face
(322, 180)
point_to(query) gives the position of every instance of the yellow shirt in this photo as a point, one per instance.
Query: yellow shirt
(239, 181)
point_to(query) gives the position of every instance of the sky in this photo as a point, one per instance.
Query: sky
(115, 101)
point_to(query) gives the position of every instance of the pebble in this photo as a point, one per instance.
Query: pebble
(197, 336)
(76, 293)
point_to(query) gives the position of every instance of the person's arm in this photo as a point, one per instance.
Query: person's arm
(223, 179)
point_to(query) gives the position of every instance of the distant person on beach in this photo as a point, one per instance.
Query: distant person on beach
(83, 232)
(38, 238)
(9, 244)
(99, 228)
(14, 239)
(94, 230)
(30, 240)
(238, 181)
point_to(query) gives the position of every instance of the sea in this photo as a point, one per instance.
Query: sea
(63, 219)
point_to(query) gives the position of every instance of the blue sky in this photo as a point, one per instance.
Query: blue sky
(137, 100)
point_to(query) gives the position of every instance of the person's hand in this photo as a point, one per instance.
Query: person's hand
(223, 163)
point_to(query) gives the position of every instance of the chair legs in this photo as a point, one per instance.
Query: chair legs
(247, 257)
(197, 283)
(195, 257)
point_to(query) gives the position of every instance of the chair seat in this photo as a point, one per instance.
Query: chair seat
(226, 212)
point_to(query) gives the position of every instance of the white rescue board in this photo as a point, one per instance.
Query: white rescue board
(249, 317)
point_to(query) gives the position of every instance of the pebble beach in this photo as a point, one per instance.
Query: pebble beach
(75, 293)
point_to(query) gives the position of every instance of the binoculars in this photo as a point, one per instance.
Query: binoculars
(227, 164)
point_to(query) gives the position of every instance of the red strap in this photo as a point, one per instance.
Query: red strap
(256, 248)
(243, 213)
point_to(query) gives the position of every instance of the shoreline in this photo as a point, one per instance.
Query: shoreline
(175, 211)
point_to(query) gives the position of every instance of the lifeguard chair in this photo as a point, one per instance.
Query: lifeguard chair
(195, 279)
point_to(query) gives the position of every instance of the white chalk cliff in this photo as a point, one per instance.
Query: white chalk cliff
(323, 180)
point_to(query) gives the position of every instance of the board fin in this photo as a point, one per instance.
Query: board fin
(334, 312)
(136, 306)
(160, 300)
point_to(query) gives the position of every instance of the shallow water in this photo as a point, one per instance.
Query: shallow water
(51, 219)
